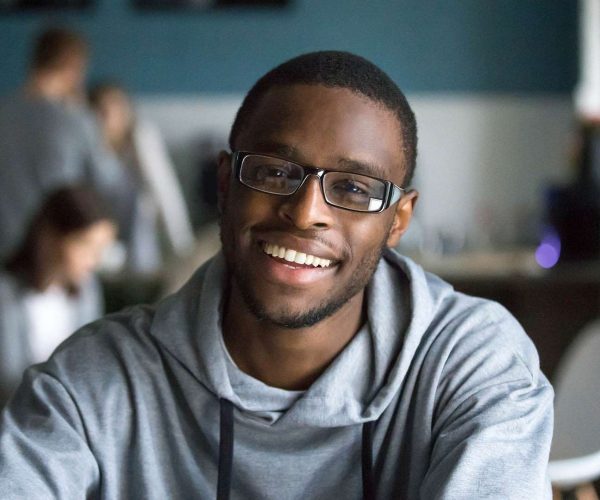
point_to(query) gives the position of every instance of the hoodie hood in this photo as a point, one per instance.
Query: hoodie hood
(356, 387)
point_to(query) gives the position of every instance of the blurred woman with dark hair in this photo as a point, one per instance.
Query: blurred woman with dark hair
(47, 288)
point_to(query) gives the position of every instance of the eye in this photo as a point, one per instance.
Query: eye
(276, 172)
(270, 171)
(350, 187)
(354, 188)
(272, 177)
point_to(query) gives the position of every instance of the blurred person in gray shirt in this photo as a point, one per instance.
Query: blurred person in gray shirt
(48, 138)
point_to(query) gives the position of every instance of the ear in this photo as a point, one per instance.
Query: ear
(402, 217)
(223, 177)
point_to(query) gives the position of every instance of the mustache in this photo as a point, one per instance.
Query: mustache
(306, 234)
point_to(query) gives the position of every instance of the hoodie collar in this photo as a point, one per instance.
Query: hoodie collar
(357, 386)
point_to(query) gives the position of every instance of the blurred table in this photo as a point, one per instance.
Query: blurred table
(124, 289)
(552, 305)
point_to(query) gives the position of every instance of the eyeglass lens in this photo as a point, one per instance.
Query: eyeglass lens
(343, 189)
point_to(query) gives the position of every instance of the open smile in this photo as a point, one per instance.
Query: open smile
(295, 256)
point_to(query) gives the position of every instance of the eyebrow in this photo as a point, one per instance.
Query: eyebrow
(278, 149)
(362, 167)
(345, 164)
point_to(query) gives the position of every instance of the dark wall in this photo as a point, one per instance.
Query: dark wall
(464, 46)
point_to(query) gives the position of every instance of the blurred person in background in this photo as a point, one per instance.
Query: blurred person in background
(161, 218)
(207, 236)
(47, 287)
(48, 139)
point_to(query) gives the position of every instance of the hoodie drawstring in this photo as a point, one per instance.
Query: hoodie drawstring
(367, 461)
(225, 450)
(226, 454)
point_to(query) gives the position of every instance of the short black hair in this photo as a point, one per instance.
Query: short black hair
(336, 69)
(54, 45)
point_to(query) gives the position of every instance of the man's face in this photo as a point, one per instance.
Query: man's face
(74, 69)
(332, 128)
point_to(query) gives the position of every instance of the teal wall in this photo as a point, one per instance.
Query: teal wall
(425, 45)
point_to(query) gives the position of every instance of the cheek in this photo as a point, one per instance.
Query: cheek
(232, 223)
(80, 258)
(367, 234)
(70, 259)
(246, 209)
(77, 260)
(113, 120)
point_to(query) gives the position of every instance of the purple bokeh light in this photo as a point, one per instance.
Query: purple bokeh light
(548, 252)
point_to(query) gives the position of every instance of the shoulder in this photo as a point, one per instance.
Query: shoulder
(473, 362)
(103, 367)
(129, 326)
(10, 289)
(478, 331)
(80, 117)
(465, 337)
(481, 355)
(107, 348)
(127, 342)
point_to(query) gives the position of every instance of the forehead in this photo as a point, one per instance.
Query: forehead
(97, 235)
(326, 127)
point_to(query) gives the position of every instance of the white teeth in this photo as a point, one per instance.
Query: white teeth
(290, 255)
(295, 256)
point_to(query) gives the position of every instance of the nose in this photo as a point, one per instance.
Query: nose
(306, 208)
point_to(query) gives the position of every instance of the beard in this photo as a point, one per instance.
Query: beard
(286, 317)
(301, 319)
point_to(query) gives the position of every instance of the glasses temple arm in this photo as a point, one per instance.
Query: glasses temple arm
(396, 194)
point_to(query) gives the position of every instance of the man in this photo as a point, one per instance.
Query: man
(48, 140)
(308, 360)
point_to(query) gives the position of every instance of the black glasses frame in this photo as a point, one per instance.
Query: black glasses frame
(393, 193)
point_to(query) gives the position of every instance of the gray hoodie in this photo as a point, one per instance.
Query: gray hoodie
(439, 396)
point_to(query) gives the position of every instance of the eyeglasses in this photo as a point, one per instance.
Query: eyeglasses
(347, 190)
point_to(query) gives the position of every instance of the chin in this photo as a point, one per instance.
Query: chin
(76, 280)
(288, 316)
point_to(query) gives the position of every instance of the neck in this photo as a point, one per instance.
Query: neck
(119, 144)
(290, 359)
(53, 278)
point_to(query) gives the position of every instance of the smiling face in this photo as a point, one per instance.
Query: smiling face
(295, 259)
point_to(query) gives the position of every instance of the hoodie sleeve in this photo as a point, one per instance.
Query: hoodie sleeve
(493, 420)
(43, 449)
(12, 356)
